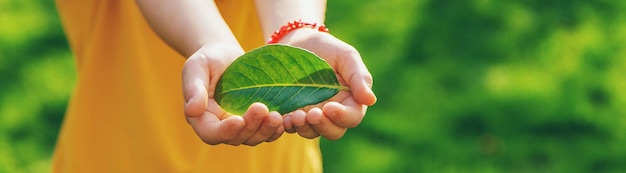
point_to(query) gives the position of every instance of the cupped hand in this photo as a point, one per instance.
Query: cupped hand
(213, 125)
(331, 119)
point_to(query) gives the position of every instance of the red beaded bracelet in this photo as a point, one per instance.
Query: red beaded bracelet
(293, 25)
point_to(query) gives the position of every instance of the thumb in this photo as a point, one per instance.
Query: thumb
(196, 99)
(195, 86)
(357, 77)
(361, 88)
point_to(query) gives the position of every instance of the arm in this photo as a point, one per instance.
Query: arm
(347, 109)
(276, 13)
(196, 30)
(187, 25)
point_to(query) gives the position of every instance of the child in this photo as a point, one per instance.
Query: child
(126, 114)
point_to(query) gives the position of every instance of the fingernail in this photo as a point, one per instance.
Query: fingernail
(368, 85)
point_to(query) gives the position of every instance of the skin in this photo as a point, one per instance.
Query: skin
(196, 30)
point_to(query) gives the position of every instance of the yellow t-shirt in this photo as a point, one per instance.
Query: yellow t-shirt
(126, 113)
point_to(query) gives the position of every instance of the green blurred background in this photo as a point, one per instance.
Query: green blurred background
(463, 85)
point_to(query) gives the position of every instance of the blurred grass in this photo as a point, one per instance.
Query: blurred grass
(463, 86)
(36, 78)
(486, 86)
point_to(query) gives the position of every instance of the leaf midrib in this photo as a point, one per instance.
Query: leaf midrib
(338, 87)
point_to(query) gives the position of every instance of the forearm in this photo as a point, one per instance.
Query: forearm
(276, 13)
(186, 25)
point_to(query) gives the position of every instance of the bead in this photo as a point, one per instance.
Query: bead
(293, 25)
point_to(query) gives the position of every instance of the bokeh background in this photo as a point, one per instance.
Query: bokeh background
(463, 85)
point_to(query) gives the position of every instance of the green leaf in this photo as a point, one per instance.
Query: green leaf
(282, 77)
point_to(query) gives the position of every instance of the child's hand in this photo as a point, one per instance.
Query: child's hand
(347, 109)
(212, 124)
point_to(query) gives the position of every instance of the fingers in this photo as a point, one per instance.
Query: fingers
(229, 128)
(301, 125)
(257, 125)
(279, 132)
(269, 129)
(349, 114)
(261, 125)
(287, 123)
(324, 126)
(331, 121)
(334, 118)
(255, 115)
(214, 131)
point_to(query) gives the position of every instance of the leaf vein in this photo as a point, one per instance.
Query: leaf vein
(263, 70)
(314, 66)
(286, 68)
(277, 94)
(292, 96)
(247, 77)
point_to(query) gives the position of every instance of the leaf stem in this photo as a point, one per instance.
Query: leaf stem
(345, 88)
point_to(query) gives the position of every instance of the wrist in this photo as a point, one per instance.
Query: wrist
(300, 35)
(288, 29)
